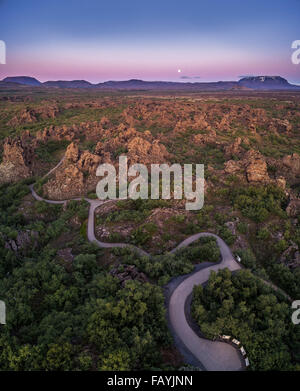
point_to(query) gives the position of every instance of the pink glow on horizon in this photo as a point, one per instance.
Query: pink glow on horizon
(95, 65)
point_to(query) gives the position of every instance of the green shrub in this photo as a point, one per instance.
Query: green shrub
(242, 306)
(263, 234)
(45, 151)
(242, 227)
(259, 202)
(247, 258)
(203, 250)
(225, 233)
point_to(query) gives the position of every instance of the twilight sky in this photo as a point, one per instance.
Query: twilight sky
(98, 40)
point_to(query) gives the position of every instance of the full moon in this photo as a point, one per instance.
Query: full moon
(179, 70)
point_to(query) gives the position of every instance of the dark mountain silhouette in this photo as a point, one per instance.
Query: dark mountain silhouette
(68, 84)
(266, 83)
(26, 80)
(246, 83)
(135, 84)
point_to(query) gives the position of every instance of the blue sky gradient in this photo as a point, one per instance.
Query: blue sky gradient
(100, 40)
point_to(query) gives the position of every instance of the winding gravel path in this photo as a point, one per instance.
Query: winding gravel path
(213, 355)
(55, 167)
(91, 230)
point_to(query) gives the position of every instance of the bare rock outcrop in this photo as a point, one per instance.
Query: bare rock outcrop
(256, 167)
(72, 153)
(291, 256)
(205, 138)
(139, 147)
(128, 272)
(16, 164)
(29, 115)
(75, 177)
(66, 256)
(292, 163)
(232, 167)
(253, 167)
(235, 148)
(293, 208)
(287, 168)
(224, 124)
(58, 133)
(280, 125)
(22, 241)
(143, 151)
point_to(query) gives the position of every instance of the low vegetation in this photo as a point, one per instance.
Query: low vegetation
(65, 310)
(242, 306)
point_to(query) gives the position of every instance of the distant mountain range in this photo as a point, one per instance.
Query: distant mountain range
(246, 83)
(29, 81)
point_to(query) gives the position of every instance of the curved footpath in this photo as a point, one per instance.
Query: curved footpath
(91, 221)
(213, 355)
